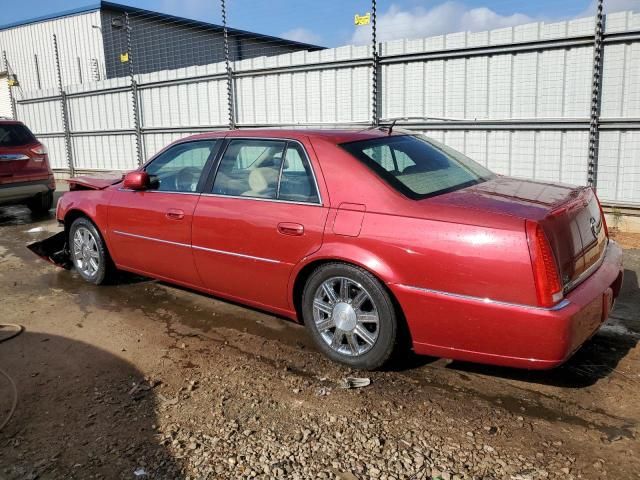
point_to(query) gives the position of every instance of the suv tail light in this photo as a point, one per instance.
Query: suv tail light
(40, 150)
(545, 270)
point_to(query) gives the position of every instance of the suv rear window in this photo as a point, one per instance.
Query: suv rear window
(15, 135)
(417, 166)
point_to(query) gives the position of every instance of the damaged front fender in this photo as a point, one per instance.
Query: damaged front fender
(53, 249)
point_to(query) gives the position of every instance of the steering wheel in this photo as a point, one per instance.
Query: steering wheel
(186, 180)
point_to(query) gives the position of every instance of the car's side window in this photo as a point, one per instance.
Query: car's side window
(180, 167)
(296, 180)
(250, 168)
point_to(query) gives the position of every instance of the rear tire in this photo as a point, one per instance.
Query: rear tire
(350, 316)
(41, 203)
(89, 253)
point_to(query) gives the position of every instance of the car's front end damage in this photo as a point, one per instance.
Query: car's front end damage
(55, 249)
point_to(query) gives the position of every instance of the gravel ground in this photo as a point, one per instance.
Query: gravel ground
(143, 380)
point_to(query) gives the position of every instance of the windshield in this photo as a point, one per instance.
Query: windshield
(418, 166)
(15, 135)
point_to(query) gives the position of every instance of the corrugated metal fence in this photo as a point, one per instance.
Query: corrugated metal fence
(516, 99)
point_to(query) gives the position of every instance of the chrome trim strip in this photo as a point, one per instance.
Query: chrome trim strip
(9, 157)
(262, 199)
(133, 235)
(205, 249)
(122, 189)
(559, 306)
(240, 197)
(151, 190)
(233, 254)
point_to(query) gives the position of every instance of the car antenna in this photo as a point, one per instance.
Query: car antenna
(393, 124)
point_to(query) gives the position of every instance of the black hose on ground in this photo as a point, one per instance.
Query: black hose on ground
(14, 404)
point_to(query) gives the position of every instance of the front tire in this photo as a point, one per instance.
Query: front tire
(88, 252)
(350, 316)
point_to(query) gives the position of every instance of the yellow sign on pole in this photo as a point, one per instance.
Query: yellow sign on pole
(362, 19)
(124, 57)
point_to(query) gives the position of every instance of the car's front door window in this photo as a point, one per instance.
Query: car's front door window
(180, 168)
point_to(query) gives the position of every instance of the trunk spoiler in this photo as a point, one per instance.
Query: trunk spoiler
(53, 249)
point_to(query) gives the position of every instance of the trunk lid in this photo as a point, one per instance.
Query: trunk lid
(570, 216)
(577, 235)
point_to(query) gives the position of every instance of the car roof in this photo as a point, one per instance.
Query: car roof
(336, 136)
(9, 121)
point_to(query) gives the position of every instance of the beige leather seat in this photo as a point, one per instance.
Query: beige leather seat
(263, 182)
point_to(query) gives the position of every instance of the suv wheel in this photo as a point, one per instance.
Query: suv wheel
(350, 316)
(41, 203)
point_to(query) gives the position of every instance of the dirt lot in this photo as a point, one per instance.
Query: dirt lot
(143, 380)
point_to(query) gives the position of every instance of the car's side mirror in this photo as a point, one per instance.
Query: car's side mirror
(137, 181)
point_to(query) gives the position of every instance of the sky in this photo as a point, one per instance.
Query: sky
(330, 22)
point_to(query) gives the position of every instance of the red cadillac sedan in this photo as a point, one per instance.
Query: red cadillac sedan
(367, 237)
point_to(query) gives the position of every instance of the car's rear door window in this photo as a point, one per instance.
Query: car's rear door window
(266, 168)
(15, 135)
(250, 168)
(179, 168)
(418, 166)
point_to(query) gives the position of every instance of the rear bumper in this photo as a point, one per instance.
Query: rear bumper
(480, 330)
(20, 191)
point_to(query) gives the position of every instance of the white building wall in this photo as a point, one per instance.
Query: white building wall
(77, 39)
(5, 98)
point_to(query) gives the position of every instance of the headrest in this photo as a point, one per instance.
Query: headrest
(263, 178)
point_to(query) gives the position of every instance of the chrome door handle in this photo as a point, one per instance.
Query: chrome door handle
(174, 214)
(287, 228)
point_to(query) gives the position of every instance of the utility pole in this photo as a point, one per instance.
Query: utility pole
(10, 87)
(134, 92)
(65, 112)
(230, 96)
(374, 79)
(596, 84)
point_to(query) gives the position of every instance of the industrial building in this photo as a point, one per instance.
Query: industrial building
(92, 41)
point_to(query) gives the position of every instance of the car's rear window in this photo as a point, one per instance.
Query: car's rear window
(15, 135)
(418, 166)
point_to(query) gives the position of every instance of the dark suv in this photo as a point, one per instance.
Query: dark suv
(25, 175)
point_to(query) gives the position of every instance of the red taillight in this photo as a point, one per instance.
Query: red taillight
(545, 270)
(39, 150)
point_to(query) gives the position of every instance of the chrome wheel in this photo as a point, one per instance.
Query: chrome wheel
(346, 316)
(86, 257)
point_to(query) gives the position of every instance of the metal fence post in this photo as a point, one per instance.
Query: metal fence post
(134, 93)
(230, 95)
(65, 112)
(594, 125)
(375, 117)
(12, 100)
